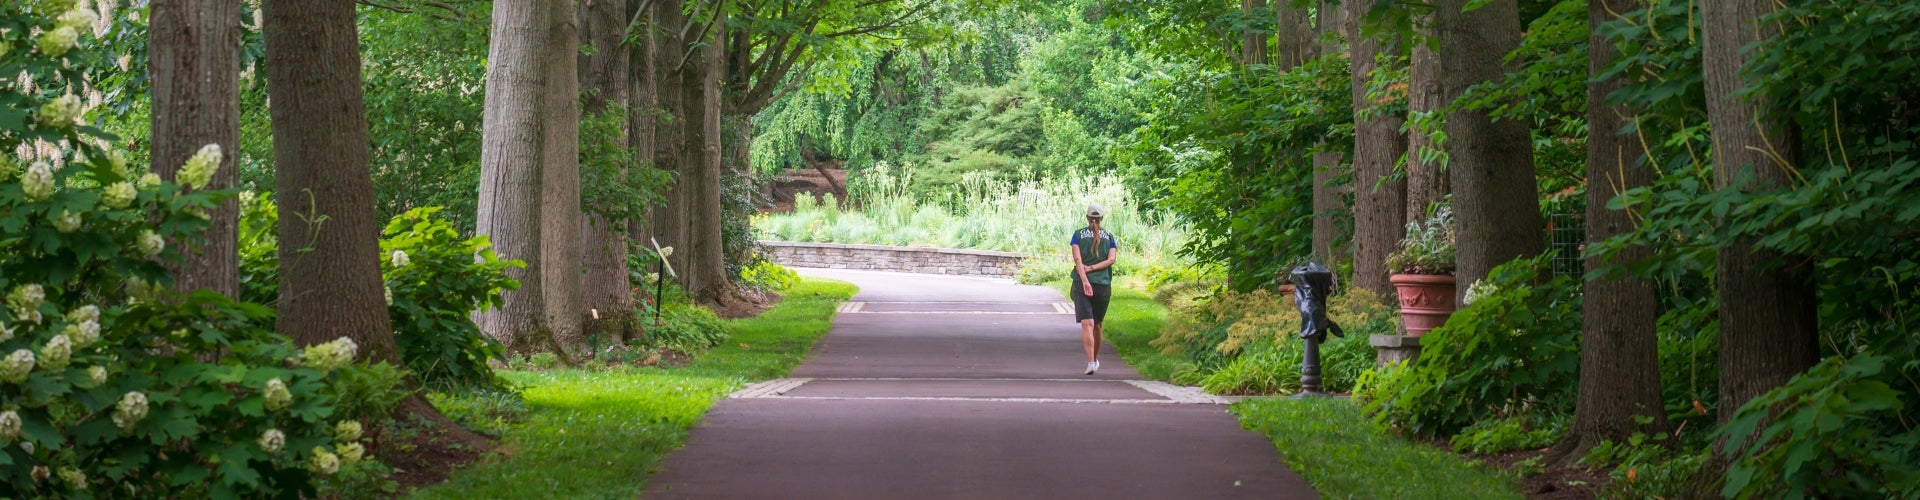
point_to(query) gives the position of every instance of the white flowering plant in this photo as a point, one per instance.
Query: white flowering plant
(109, 385)
(434, 277)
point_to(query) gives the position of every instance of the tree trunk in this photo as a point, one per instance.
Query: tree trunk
(1253, 45)
(1497, 212)
(1293, 37)
(1619, 348)
(604, 73)
(643, 119)
(512, 131)
(1328, 200)
(1767, 319)
(330, 284)
(1426, 182)
(1380, 199)
(671, 135)
(194, 58)
(560, 217)
(707, 253)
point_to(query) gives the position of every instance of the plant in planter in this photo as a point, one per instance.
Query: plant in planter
(1423, 272)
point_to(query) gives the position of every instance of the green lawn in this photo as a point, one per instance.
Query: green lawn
(1328, 441)
(600, 434)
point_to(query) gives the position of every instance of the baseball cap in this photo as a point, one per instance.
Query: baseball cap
(1096, 211)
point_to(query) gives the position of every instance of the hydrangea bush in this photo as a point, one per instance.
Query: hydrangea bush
(110, 386)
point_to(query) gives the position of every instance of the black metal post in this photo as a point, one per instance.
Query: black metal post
(1312, 283)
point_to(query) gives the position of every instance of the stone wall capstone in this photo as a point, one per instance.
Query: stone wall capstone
(891, 258)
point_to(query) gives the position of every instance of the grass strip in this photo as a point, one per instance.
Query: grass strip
(601, 434)
(1330, 442)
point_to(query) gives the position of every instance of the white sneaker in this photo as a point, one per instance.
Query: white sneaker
(1092, 366)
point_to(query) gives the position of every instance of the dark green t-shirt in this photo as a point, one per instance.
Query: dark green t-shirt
(1090, 255)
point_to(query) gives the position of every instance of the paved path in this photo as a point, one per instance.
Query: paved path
(945, 387)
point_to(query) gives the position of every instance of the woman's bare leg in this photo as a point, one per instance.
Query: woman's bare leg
(1090, 337)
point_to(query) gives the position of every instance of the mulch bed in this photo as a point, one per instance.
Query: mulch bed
(1554, 483)
(430, 448)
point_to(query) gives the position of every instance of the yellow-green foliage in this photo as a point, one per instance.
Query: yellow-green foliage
(1259, 315)
(1248, 343)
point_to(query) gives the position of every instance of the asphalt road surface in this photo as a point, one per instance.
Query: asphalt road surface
(950, 387)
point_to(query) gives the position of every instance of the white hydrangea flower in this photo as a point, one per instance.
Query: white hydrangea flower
(199, 169)
(148, 181)
(119, 161)
(329, 356)
(246, 198)
(1479, 290)
(67, 222)
(57, 42)
(130, 410)
(38, 182)
(25, 302)
(96, 375)
(60, 112)
(40, 473)
(666, 252)
(58, 351)
(323, 462)
(399, 258)
(347, 430)
(278, 397)
(84, 314)
(17, 366)
(151, 244)
(351, 453)
(9, 426)
(272, 440)
(27, 446)
(77, 19)
(74, 477)
(82, 334)
(118, 195)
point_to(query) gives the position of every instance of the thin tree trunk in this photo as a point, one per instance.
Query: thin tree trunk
(708, 251)
(1328, 199)
(560, 217)
(1767, 320)
(1619, 350)
(644, 100)
(1497, 210)
(1380, 199)
(1426, 181)
(1293, 37)
(604, 74)
(672, 137)
(194, 59)
(512, 134)
(330, 284)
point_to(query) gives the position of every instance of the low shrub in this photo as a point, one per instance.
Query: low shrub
(1839, 430)
(1513, 349)
(1527, 431)
(768, 276)
(434, 279)
(1248, 343)
(1646, 467)
(686, 329)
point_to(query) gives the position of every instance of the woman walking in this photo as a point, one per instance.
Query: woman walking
(1093, 254)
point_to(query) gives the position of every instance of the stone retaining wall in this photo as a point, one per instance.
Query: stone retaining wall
(891, 258)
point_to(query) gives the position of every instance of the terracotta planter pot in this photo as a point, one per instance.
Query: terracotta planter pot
(1426, 300)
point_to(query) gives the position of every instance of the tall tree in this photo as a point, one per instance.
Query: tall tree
(1380, 198)
(1253, 43)
(1329, 200)
(674, 99)
(1619, 350)
(529, 175)
(1426, 181)
(330, 284)
(604, 75)
(194, 60)
(643, 98)
(1767, 319)
(707, 251)
(1490, 162)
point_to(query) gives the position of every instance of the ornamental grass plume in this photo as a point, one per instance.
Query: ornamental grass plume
(199, 169)
(60, 112)
(17, 366)
(278, 397)
(272, 440)
(118, 195)
(37, 184)
(58, 351)
(131, 409)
